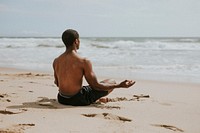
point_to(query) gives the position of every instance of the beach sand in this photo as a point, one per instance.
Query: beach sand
(28, 104)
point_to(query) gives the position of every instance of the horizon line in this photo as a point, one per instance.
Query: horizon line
(103, 37)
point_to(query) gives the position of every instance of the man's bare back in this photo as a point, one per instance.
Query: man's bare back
(69, 70)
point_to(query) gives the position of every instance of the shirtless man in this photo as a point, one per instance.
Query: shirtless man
(69, 70)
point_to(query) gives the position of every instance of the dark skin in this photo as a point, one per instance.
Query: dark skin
(70, 68)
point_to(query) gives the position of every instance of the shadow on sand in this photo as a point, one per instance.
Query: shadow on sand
(43, 103)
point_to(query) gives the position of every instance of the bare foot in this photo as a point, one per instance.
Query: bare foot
(104, 100)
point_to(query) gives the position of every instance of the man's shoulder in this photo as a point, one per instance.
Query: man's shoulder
(55, 59)
(85, 60)
(87, 63)
(55, 62)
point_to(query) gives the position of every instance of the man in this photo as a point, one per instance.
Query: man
(69, 70)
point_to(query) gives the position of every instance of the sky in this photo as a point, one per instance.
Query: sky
(100, 18)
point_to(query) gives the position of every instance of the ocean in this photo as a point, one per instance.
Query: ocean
(167, 59)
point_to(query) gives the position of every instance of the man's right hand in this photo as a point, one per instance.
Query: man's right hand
(126, 83)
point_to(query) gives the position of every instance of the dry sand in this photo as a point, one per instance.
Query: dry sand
(28, 104)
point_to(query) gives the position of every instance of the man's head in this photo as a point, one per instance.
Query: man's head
(70, 37)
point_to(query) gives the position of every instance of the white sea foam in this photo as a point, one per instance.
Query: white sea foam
(126, 56)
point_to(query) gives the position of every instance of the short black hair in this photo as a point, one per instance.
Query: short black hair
(69, 36)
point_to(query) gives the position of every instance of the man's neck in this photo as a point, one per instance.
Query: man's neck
(71, 50)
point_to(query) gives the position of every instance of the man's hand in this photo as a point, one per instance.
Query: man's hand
(126, 83)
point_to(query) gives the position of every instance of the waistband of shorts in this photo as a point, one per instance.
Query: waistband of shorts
(64, 95)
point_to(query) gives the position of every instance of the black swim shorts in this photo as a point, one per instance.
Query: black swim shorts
(86, 96)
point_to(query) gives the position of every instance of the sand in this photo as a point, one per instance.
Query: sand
(28, 104)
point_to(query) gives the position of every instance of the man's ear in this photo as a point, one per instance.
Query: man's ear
(76, 41)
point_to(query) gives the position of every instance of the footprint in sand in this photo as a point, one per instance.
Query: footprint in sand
(19, 128)
(108, 116)
(3, 96)
(135, 97)
(106, 106)
(173, 128)
(138, 97)
(5, 112)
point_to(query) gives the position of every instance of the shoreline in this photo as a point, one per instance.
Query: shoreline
(28, 104)
(103, 74)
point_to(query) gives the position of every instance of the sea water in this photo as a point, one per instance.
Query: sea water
(174, 59)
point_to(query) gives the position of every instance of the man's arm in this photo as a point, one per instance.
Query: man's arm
(55, 76)
(93, 82)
